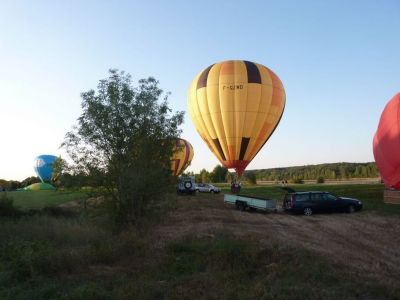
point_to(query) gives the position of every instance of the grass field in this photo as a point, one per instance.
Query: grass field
(76, 261)
(370, 194)
(26, 200)
(200, 249)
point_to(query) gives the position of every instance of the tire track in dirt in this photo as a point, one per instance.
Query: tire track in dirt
(351, 240)
(366, 242)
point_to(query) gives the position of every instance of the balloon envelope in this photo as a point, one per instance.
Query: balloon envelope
(235, 106)
(386, 144)
(42, 186)
(182, 156)
(44, 166)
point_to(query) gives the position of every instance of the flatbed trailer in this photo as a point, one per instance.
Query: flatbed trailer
(242, 202)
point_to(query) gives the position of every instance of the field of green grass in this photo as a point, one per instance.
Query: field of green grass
(48, 258)
(26, 200)
(77, 257)
(370, 194)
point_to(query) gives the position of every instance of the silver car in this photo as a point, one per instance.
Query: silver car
(207, 188)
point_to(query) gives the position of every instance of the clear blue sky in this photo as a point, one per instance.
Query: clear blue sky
(339, 63)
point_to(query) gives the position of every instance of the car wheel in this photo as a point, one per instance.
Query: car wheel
(188, 185)
(307, 211)
(212, 191)
(351, 209)
(242, 207)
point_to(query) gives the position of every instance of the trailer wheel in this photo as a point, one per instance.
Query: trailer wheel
(242, 207)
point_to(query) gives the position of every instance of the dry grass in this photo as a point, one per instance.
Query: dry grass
(366, 242)
(202, 250)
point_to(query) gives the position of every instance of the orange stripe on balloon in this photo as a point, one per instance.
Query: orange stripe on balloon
(231, 150)
(227, 68)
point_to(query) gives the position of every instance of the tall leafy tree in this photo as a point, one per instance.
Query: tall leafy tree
(250, 177)
(218, 174)
(29, 180)
(124, 137)
(204, 176)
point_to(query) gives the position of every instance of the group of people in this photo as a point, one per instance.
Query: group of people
(235, 187)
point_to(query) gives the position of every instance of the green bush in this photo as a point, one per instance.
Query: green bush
(7, 208)
(251, 178)
(298, 180)
(320, 179)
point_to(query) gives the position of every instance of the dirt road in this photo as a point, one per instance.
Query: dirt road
(365, 242)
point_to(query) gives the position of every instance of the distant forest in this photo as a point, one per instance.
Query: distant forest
(323, 171)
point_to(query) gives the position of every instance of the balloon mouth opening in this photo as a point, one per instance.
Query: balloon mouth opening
(239, 172)
(238, 165)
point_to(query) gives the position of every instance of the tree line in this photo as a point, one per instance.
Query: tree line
(297, 174)
(12, 185)
(65, 180)
(314, 172)
(219, 174)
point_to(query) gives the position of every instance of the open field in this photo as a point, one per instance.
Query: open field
(365, 241)
(370, 194)
(203, 249)
(26, 200)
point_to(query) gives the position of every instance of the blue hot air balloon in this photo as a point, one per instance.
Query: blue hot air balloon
(44, 166)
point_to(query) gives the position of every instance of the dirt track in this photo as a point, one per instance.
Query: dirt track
(365, 242)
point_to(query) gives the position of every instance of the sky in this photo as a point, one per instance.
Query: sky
(339, 62)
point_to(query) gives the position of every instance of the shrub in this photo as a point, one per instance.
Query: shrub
(7, 208)
(251, 178)
(298, 180)
(320, 179)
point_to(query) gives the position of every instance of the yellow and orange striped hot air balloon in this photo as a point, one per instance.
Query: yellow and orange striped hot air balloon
(182, 157)
(235, 106)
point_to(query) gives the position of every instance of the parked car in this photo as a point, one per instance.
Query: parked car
(207, 188)
(310, 202)
(186, 185)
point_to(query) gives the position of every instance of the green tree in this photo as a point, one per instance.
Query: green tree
(250, 177)
(229, 177)
(29, 180)
(343, 172)
(13, 185)
(204, 176)
(59, 167)
(124, 139)
(4, 184)
(218, 174)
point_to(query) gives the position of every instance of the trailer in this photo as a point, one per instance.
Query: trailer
(242, 202)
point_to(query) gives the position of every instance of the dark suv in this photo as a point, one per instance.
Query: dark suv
(310, 202)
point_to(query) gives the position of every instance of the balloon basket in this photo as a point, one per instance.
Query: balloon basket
(391, 196)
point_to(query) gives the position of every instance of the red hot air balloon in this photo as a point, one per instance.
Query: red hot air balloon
(386, 144)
